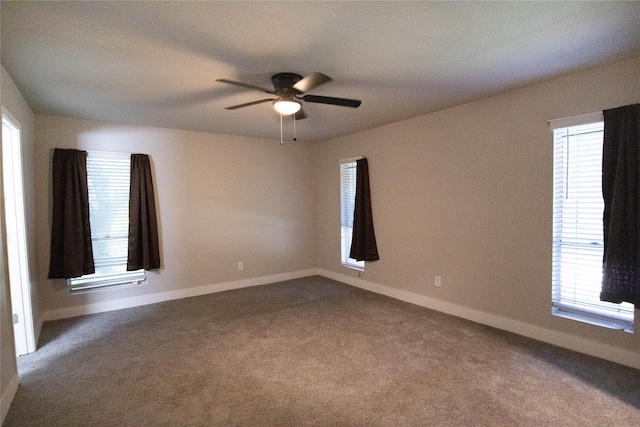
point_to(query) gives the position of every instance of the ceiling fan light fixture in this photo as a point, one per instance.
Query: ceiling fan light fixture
(286, 107)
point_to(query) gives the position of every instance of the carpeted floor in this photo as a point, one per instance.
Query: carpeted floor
(309, 352)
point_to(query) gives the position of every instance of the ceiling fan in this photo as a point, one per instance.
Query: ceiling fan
(289, 89)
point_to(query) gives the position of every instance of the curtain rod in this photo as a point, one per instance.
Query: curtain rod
(350, 159)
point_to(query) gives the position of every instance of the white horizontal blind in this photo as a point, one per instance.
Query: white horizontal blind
(578, 244)
(347, 205)
(108, 177)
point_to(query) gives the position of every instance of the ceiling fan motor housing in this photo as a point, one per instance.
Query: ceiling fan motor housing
(283, 82)
(288, 87)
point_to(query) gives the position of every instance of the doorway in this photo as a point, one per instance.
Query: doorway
(19, 283)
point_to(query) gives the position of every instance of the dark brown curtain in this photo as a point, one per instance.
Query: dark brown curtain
(620, 190)
(363, 242)
(71, 251)
(144, 249)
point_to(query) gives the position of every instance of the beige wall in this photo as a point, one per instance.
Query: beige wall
(221, 199)
(8, 366)
(466, 193)
(13, 101)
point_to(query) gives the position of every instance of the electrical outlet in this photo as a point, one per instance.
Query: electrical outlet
(438, 282)
(240, 266)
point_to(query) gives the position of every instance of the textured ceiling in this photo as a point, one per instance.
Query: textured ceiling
(155, 63)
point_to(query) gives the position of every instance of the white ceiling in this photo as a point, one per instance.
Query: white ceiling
(155, 63)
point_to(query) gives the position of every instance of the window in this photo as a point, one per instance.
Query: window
(578, 244)
(347, 205)
(108, 176)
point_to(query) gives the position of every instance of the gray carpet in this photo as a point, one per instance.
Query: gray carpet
(309, 352)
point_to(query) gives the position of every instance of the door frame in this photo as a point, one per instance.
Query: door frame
(16, 243)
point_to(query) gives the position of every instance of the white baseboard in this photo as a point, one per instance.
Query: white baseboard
(7, 397)
(561, 339)
(118, 304)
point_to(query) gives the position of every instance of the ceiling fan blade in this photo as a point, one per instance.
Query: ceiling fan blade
(311, 81)
(245, 85)
(248, 104)
(343, 102)
(300, 115)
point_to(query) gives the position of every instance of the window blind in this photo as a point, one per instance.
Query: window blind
(108, 176)
(578, 244)
(347, 205)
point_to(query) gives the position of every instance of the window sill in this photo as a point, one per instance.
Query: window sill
(102, 288)
(107, 282)
(609, 324)
(354, 267)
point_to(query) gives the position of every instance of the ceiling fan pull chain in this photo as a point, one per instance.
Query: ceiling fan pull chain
(281, 140)
(294, 127)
